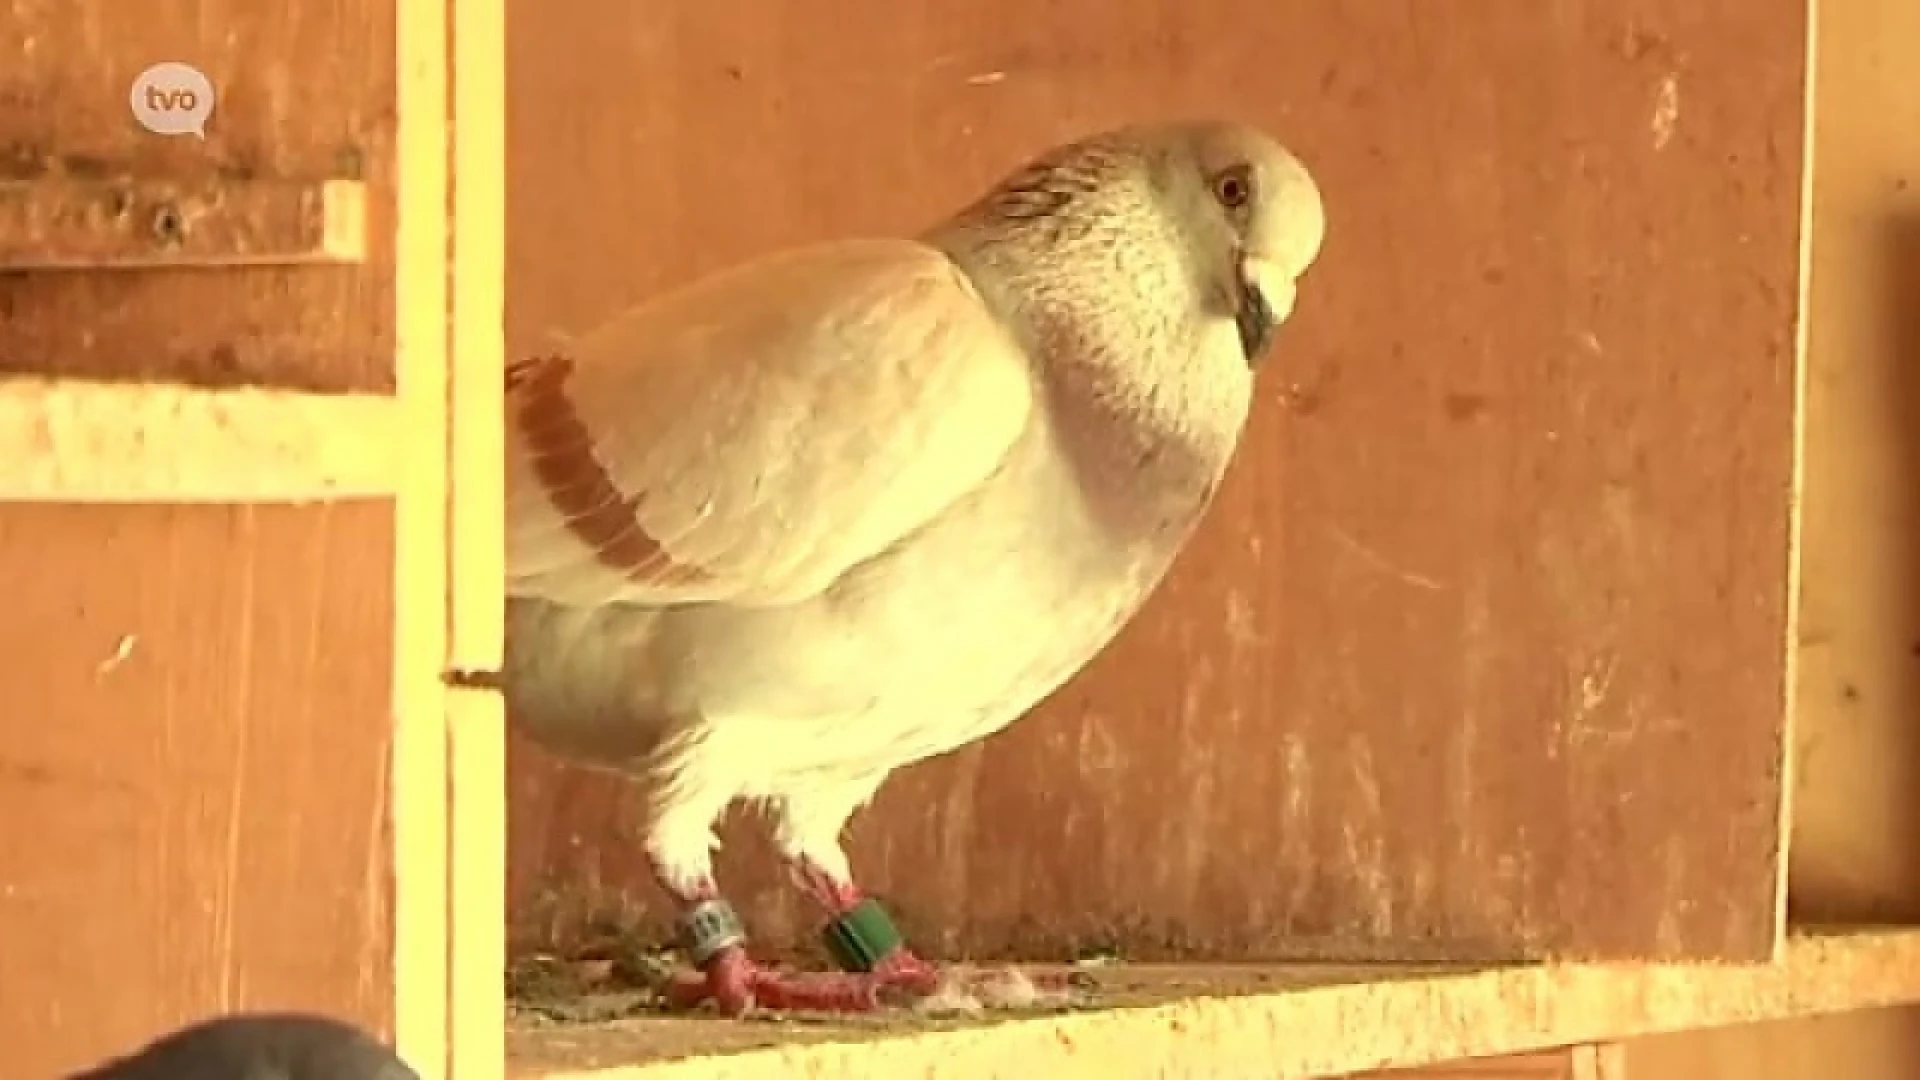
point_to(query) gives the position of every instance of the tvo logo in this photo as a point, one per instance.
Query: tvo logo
(172, 98)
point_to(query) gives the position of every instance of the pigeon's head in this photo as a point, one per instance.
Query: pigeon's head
(1240, 213)
(1253, 216)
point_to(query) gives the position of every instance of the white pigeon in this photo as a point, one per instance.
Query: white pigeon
(780, 532)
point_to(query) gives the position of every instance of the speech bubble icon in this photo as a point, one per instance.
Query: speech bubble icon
(172, 98)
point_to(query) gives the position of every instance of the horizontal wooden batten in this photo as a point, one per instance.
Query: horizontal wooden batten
(59, 222)
(66, 440)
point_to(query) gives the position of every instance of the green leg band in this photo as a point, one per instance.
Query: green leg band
(858, 939)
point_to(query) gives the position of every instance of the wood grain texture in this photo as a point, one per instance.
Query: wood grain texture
(476, 549)
(59, 222)
(72, 440)
(1482, 651)
(424, 791)
(1585, 1062)
(202, 697)
(195, 774)
(1872, 1044)
(303, 95)
(1856, 806)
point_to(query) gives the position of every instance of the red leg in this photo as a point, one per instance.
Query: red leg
(900, 969)
(735, 983)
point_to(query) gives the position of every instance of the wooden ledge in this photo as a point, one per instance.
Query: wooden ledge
(83, 441)
(1275, 1023)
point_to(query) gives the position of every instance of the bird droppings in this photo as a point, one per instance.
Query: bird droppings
(547, 991)
(609, 1030)
(616, 970)
(549, 1017)
(609, 967)
(966, 991)
(1294, 1021)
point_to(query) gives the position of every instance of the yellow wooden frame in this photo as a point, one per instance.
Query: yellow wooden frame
(448, 756)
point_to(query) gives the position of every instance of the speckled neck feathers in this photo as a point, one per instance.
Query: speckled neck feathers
(1139, 393)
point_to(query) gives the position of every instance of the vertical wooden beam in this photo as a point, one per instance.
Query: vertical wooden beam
(476, 544)
(420, 781)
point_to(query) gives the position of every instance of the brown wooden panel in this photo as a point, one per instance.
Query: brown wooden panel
(1482, 651)
(195, 773)
(303, 93)
(1870, 1044)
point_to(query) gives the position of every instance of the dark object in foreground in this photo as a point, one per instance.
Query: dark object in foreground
(260, 1046)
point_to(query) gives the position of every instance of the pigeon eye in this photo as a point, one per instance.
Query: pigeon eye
(1233, 188)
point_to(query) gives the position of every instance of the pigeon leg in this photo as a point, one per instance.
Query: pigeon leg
(680, 850)
(859, 935)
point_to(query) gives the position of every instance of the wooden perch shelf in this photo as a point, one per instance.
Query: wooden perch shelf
(1275, 1023)
(75, 441)
(63, 223)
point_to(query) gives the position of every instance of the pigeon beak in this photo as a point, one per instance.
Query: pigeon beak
(1266, 299)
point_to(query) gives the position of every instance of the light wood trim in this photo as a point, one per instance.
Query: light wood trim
(422, 932)
(476, 545)
(71, 440)
(477, 798)
(1795, 554)
(59, 222)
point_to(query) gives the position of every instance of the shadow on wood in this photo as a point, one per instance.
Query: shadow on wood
(1856, 847)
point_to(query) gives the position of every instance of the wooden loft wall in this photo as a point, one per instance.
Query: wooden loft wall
(1856, 797)
(1853, 811)
(224, 506)
(1483, 651)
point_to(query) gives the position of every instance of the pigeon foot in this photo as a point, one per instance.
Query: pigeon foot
(736, 984)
